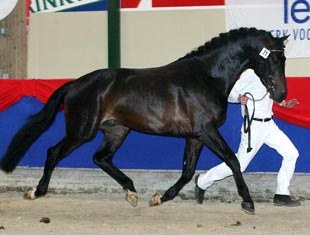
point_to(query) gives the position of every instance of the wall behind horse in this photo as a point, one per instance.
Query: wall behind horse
(141, 151)
(71, 44)
(68, 45)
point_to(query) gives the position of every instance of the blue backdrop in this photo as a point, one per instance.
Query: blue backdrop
(141, 151)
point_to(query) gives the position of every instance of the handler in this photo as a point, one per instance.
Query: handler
(262, 130)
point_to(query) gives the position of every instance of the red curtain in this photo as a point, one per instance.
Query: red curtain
(298, 88)
(12, 90)
(183, 3)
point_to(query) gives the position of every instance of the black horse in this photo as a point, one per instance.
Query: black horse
(186, 98)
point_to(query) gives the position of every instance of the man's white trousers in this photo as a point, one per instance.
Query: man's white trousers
(261, 133)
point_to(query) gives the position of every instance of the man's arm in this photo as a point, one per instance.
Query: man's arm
(234, 94)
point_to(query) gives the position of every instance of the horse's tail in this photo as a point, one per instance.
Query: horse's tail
(32, 129)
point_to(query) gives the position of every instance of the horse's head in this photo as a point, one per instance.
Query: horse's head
(269, 65)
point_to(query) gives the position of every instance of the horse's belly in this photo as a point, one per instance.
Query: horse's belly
(157, 124)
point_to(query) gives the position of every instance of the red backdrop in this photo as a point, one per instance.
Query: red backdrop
(12, 90)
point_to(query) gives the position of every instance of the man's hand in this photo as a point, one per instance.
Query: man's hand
(243, 99)
(289, 104)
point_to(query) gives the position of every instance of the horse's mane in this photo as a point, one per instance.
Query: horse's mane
(221, 40)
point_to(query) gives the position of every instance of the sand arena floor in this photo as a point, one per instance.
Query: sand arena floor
(109, 213)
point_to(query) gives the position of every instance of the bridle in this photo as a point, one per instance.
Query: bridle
(265, 54)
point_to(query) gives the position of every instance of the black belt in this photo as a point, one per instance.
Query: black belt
(262, 119)
(247, 121)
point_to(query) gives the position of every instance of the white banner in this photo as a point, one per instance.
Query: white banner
(280, 17)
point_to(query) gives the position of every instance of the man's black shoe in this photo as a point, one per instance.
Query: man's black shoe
(199, 193)
(285, 200)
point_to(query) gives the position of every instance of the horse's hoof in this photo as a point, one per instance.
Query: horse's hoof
(248, 207)
(132, 198)
(30, 194)
(155, 200)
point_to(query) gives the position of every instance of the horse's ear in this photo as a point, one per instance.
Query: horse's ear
(284, 38)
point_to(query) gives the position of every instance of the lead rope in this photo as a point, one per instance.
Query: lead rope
(252, 98)
(247, 120)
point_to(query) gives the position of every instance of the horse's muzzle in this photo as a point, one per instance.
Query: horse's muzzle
(278, 96)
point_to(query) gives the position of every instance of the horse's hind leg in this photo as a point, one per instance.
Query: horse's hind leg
(54, 155)
(191, 154)
(113, 138)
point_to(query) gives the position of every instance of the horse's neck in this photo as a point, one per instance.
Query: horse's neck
(226, 69)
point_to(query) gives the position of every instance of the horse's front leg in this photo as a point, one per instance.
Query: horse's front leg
(218, 145)
(191, 154)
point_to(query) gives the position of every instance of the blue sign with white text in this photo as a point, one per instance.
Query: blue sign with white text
(68, 5)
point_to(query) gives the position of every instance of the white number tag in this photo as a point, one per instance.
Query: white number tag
(264, 53)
